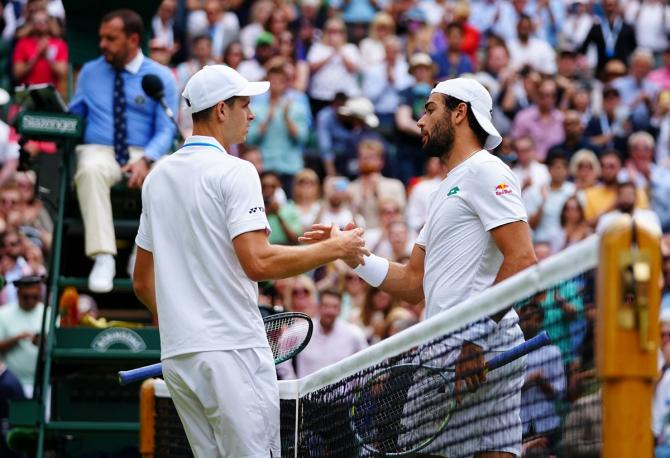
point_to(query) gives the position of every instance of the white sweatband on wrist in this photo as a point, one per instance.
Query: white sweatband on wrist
(374, 270)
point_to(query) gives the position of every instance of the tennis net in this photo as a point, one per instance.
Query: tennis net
(397, 398)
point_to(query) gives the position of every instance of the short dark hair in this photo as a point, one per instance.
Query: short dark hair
(132, 22)
(612, 152)
(331, 292)
(535, 307)
(555, 155)
(626, 184)
(452, 102)
(203, 115)
(199, 38)
(269, 173)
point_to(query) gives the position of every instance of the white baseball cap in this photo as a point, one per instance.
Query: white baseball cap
(469, 90)
(215, 83)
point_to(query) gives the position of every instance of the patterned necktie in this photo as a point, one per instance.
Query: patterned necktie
(120, 128)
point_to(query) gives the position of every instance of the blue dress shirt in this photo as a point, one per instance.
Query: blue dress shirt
(148, 126)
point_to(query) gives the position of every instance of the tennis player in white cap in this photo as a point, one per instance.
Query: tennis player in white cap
(202, 246)
(476, 235)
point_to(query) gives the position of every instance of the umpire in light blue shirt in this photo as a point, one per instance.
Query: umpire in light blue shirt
(126, 131)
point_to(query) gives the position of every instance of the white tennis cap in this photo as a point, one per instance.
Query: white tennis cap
(469, 90)
(215, 83)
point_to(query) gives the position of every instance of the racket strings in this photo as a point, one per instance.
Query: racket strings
(287, 336)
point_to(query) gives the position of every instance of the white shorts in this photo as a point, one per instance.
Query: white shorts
(228, 402)
(487, 420)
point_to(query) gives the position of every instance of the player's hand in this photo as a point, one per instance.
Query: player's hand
(137, 173)
(321, 232)
(350, 244)
(469, 369)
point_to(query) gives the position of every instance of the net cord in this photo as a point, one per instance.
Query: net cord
(570, 262)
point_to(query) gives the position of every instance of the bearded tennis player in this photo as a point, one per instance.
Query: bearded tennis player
(202, 246)
(476, 235)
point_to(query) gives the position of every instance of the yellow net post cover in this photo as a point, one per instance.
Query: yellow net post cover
(627, 335)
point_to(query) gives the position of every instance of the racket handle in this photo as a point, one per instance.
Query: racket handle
(508, 356)
(141, 373)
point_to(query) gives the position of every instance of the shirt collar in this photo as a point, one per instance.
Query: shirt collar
(202, 140)
(134, 65)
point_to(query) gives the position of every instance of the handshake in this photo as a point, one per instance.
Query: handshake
(347, 244)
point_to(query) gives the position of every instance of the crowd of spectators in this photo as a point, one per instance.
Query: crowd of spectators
(581, 92)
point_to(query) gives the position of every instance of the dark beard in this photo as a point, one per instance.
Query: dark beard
(627, 208)
(441, 140)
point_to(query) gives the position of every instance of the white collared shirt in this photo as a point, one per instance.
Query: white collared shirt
(194, 203)
(134, 65)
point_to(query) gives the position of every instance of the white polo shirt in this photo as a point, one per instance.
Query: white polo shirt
(194, 203)
(462, 259)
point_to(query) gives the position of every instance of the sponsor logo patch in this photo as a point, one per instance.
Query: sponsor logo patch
(453, 191)
(502, 189)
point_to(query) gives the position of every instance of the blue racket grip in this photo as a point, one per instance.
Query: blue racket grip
(141, 373)
(508, 356)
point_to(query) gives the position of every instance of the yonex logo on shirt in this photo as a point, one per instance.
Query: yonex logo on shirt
(502, 189)
(453, 191)
(257, 210)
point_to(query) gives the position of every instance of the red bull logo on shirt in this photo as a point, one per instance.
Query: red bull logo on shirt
(502, 189)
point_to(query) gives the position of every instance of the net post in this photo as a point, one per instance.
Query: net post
(627, 335)
(297, 425)
(147, 419)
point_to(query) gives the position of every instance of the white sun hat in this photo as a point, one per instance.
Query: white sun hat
(469, 90)
(361, 108)
(215, 83)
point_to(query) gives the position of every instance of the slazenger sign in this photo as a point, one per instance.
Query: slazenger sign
(58, 125)
(121, 336)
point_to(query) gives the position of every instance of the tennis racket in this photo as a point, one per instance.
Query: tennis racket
(390, 414)
(288, 334)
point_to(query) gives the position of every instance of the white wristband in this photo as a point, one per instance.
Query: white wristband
(374, 270)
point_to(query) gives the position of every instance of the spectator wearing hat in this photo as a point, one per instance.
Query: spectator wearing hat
(574, 136)
(371, 187)
(601, 198)
(637, 92)
(409, 155)
(541, 121)
(334, 65)
(611, 35)
(281, 128)
(126, 132)
(609, 128)
(254, 69)
(528, 50)
(383, 82)
(359, 115)
(20, 325)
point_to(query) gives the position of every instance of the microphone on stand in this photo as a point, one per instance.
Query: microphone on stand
(153, 87)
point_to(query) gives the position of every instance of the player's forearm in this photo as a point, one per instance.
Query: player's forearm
(147, 296)
(280, 261)
(402, 283)
(513, 264)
